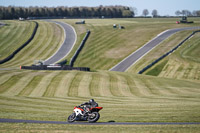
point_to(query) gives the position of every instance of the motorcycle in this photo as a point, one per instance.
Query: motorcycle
(82, 113)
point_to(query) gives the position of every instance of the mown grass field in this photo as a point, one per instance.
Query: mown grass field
(107, 46)
(48, 95)
(13, 35)
(126, 97)
(182, 64)
(185, 61)
(47, 40)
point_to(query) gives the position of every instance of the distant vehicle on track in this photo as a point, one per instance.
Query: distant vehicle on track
(184, 20)
(81, 22)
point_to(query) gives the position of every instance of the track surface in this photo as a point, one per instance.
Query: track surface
(135, 56)
(2, 24)
(97, 123)
(66, 47)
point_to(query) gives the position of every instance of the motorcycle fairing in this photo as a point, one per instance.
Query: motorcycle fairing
(78, 111)
(96, 108)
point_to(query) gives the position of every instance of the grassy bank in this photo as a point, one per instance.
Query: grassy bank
(107, 46)
(182, 64)
(47, 40)
(13, 35)
(126, 97)
(47, 95)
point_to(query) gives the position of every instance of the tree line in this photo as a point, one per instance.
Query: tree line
(187, 13)
(154, 13)
(12, 12)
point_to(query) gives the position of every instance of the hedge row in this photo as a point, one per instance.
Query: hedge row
(22, 46)
(162, 57)
(73, 59)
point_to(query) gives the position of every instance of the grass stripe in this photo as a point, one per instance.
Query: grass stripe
(64, 85)
(84, 86)
(123, 85)
(74, 85)
(43, 84)
(31, 85)
(20, 85)
(94, 85)
(104, 85)
(114, 88)
(144, 90)
(11, 82)
(133, 88)
(51, 89)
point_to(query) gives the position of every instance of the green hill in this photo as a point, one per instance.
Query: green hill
(182, 64)
(107, 46)
(47, 40)
(13, 35)
(135, 98)
(126, 97)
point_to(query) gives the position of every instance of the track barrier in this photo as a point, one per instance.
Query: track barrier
(166, 54)
(47, 67)
(73, 59)
(22, 46)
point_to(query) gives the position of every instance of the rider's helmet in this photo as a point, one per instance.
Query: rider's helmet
(91, 100)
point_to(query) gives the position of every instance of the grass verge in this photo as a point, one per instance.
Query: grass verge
(156, 70)
(24, 127)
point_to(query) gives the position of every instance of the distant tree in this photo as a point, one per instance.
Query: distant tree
(13, 12)
(145, 12)
(109, 12)
(93, 12)
(198, 13)
(178, 13)
(66, 13)
(127, 13)
(133, 10)
(154, 13)
(103, 11)
(1, 13)
(26, 12)
(76, 12)
(37, 12)
(43, 12)
(186, 13)
(183, 13)
(194, 13)
(21, 13)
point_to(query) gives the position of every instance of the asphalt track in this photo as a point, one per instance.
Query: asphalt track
(66, 47)
(138, 54)
(2, 24)
(97, 123)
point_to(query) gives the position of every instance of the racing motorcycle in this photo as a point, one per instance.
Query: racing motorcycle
(82, 113)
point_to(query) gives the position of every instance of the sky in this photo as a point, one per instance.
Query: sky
(164, 7)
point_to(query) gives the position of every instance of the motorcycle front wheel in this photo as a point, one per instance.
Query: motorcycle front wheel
(93, 117)
(72, 118)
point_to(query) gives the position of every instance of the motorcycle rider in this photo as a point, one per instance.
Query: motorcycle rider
(90, 104)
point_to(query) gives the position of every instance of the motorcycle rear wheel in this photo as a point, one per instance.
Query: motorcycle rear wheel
(93, 117)
(72, 118)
